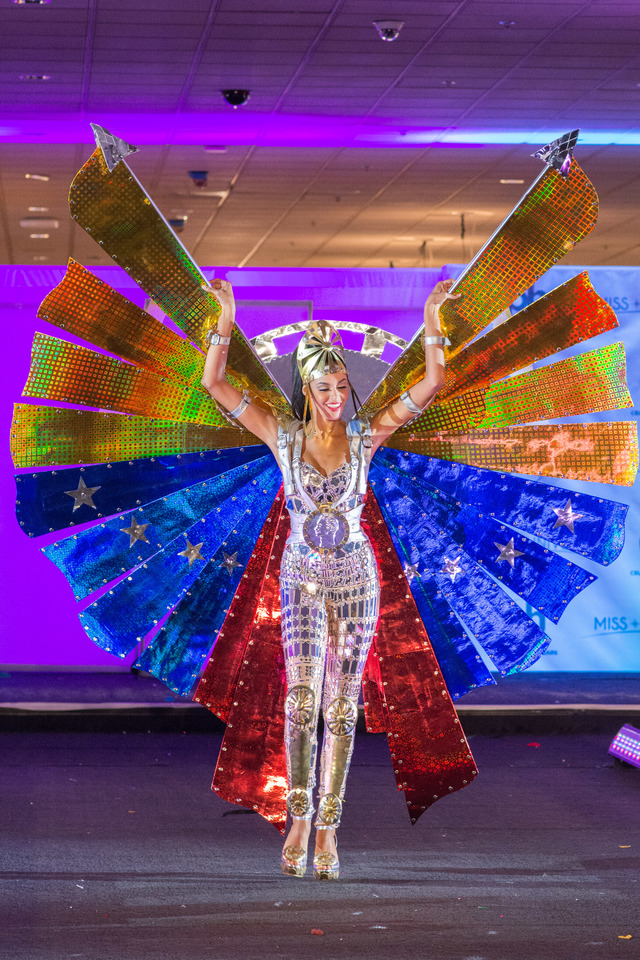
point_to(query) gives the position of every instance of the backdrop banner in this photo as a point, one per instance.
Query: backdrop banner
(600, 630)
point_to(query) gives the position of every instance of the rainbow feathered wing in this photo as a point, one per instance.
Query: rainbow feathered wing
(186, 516)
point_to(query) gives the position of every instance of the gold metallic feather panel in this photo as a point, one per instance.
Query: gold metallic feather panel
(570, 314)
(599, 452)
(591, 382)
(48, 436)
(115, 210)
(65, 371)
(554, 215)
(113, 207)
(86, 307)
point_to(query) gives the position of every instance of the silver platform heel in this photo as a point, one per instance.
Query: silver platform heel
(294, 858)
(326, 866)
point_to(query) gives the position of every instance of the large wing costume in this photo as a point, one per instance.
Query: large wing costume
(172, 519)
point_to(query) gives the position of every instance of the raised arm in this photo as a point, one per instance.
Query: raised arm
(260, 422)
(401, 411)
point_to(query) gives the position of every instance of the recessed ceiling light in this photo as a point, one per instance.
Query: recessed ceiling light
(34, 3)
(36, 176)
(507, 24)
(36, 259)
(447, 83)
(38, 209)
(39, 236)
(37, 77)
(512, 181)
(39, 223)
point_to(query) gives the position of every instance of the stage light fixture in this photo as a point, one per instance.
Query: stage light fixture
(626, 745)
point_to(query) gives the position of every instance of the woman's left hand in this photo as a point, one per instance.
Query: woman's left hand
(440, 293)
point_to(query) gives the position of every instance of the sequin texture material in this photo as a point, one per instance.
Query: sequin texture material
(602, 452)
(74, 374)
(124, 485)
(553, 216)
(42, 436)
(86, 307)
(570, 314)
(329, 609)
(430, 754)
(115, 210)
(594, 381)
(321, 489)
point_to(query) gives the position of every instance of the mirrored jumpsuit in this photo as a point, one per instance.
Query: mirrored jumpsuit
(330, 594)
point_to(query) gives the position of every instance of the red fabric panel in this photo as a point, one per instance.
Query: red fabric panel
(430, 754)
(251, 768)
(374, 705)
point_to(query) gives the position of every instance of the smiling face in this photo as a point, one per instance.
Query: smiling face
(329, 394)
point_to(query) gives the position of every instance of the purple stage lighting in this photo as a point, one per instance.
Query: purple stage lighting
(626, 745)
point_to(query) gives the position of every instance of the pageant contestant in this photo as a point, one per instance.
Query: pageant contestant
(329, 582)
(475, 545)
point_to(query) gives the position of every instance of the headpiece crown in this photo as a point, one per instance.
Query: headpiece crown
(320, 351)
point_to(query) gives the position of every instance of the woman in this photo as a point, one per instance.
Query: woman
(328, 582)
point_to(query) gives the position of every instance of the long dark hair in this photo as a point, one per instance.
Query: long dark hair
(297, 396)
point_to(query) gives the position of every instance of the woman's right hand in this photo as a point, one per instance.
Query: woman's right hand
(223, 292)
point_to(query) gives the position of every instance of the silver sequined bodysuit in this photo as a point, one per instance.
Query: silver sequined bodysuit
(330, 605)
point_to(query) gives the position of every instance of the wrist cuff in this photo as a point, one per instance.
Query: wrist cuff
(410, 404)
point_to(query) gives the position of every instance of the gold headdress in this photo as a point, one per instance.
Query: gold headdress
(320, 352)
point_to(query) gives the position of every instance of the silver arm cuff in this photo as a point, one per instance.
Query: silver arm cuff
(439, 341)
(410, 404)
(242, 406)
(214, 339)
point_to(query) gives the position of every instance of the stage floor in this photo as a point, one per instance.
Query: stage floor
(114, 848)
